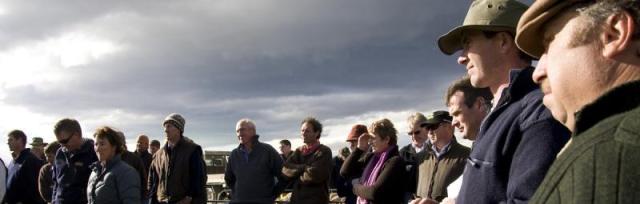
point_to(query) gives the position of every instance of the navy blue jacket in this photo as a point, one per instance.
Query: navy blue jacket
(515, 147)
(71, 171)
(22, 182)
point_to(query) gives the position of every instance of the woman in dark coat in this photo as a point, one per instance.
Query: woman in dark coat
(379, 174)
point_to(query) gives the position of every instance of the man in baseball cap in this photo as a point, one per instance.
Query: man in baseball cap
(519, 140)
(589, 71)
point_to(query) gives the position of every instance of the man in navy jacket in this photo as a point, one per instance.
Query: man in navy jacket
(519, 139)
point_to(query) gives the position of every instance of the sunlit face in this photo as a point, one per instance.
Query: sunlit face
(14, 144)
(567, 73)
(378, 144)
(480, 58)
(309, 134)
(245, 133)
(171, 132)
(142, 144)
(417, 134)
(104, 149)
(466, 119)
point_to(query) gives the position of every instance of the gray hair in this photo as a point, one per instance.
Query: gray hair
(246, 121)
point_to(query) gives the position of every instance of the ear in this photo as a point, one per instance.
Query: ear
(617, 36)
(479, 103)
(506, 41)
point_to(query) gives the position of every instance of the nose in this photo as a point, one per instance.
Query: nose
(455, 123)
(540, 73)
(463, 59)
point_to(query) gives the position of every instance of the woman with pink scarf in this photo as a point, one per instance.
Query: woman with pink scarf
(381, 172)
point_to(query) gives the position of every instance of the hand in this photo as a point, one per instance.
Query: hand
(355, 181)
(448, 200)
(427, 201)
(363, 142)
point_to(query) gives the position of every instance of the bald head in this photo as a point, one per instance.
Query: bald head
(142, 143)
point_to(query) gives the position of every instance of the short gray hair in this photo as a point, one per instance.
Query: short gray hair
(247, 121)
(598, 12)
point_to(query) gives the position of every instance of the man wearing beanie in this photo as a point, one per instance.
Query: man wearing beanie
(177, 172)
(589, 71)
(519, 139)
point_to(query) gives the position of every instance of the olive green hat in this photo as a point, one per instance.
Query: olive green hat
(485, 15)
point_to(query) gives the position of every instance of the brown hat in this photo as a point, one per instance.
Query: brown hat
(37, 141)
(356, 131)
(485, 15)
(529, 36)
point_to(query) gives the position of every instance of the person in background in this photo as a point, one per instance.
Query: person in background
(382, 171)
(285, 149)
(444, 160)
(37, 147)
(3, 179)
(154, 146)
(134, 161)
(413, 152)
(589, 73)
(22, 178)
(343, 184)
(71, 168)
(111, 179)
(253, 168)
(309, 168)
(177, 173)
(45, 177)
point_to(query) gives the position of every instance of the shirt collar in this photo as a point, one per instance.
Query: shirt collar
(620, 99)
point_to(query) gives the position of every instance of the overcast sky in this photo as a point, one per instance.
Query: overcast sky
(128, 64)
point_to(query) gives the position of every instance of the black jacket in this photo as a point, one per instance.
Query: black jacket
(516, 144)
(22, 179)
(71, 171)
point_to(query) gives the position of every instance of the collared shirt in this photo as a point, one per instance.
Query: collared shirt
(418, 149)
(443, 151)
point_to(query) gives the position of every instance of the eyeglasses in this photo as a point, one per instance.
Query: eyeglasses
(413, 133)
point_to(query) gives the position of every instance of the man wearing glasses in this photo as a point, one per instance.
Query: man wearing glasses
(444, 161)
(71, 168)
(411, 153)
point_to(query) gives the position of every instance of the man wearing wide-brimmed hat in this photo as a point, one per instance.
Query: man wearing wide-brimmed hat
(37, 147)
(519, 139)
(589, 71)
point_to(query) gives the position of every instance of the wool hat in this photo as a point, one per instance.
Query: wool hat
(356, 131)
(176, 120)
(484, 15)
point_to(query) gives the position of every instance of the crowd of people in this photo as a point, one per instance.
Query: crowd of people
(565, 131)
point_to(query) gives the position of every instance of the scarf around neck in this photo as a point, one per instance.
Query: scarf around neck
(370, 174)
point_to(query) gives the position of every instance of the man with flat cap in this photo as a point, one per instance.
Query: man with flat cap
(589, 71)
(519, 139)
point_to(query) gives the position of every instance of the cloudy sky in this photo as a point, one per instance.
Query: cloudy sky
(128, 64)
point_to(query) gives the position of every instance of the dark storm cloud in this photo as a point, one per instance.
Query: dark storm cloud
(218, 61)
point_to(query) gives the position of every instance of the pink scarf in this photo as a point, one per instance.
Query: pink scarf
(371, 178)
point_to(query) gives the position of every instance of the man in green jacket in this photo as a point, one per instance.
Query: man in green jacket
(589, 71)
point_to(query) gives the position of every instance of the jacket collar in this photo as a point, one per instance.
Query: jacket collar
(620, 99)
(254, 143)
(110, 163)
(22, 155)
(520, 84)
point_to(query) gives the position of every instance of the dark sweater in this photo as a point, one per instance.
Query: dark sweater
(251, 175)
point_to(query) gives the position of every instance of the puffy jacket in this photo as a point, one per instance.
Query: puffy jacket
(116, 183)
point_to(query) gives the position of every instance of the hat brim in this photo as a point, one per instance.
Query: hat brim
(529, 37)
(38, 144)
(452, 41)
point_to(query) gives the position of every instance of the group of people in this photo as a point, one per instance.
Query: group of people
(74, 169)
(565, 131)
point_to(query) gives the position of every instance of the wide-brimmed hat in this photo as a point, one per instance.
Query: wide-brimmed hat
(529, 35)
(484, 15)
(37, 141)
